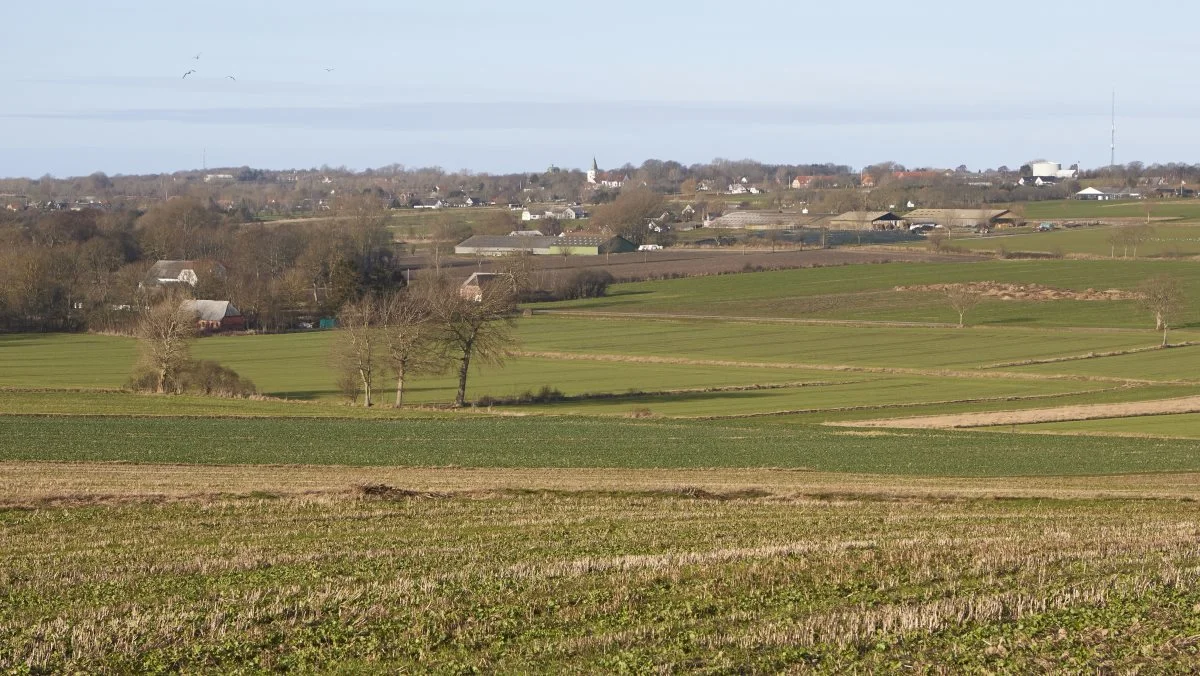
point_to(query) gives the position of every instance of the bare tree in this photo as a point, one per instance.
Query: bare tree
(357, 344)
(407, 332)
(1163, 296)
(962, 298)
(164, 334)
(473, 330)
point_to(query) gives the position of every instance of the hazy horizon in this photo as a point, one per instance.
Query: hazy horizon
(506, 89)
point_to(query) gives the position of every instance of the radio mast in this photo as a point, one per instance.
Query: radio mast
(1112, 158)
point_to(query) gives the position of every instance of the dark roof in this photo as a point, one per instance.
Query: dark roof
(516, 242)
(170, 269)
(525, 242)
(211, 310)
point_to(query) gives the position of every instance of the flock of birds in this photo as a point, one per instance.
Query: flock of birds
(227, 77)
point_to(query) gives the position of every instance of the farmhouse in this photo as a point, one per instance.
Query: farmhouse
(579, 245)
(215, 315)
(866, 220)
(964, 218)
(167, 273)
(473, 288)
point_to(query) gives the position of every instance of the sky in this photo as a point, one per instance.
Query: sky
(505, 87)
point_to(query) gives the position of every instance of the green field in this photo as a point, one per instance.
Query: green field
(1181, 425)
(1178, 209)
(867, 293)
(488, 441)
(1167, 240)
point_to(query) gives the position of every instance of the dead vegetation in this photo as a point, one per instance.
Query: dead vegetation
(1022, 292)
(314, 568)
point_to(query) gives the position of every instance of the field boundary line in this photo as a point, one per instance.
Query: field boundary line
(860, 323)
(844, 368)
(1089, 355)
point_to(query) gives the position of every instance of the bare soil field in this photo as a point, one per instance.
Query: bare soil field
(29, 485)
(1042, 415)
(668, 263)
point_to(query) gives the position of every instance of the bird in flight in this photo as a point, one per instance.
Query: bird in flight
(230, 77)
(188, 73)
(197, 56)
(328, 70)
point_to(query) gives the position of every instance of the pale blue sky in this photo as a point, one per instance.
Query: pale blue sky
(518, 86)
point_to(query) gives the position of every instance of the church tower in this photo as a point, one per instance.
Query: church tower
(593, 173)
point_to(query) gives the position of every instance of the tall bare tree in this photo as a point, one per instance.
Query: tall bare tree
(407, 331)
(962, 298)
(164, 334)
(1163, 296)
(469, 330)
(358, 343)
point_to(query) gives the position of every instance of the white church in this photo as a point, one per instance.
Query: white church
(604, 179)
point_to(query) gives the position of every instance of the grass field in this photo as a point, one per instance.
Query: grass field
(489, 441)
(314, 575)
(867, 293)
(1178, 209)
(1184, 425)
(1167, 240)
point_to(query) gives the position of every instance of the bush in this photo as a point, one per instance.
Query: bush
(206, 378)
(585, 284)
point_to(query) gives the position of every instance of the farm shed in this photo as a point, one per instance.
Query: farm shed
(579, 245)
(866, 220)
(765, 220)
(964, 218)
(216, 315)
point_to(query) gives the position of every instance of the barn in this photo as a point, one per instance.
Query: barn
(215, 315)
(579, 245)
(964, 218)
(866, 220)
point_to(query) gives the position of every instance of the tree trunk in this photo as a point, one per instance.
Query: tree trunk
(366, 388)
(960, 319)
(162, 380)
(400, 386)
(464, 366)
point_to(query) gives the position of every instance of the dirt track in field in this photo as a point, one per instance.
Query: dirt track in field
(35, 485)
(1041, 415)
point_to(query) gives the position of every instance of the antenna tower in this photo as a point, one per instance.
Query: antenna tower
(1112, 148)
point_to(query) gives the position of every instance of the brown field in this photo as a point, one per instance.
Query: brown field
(1040, 415)
(152, 568)
(36, 484)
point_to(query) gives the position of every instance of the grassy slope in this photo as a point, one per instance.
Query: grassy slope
(1180, 363)
(1186, 425)
(865, 292)
(1188, 209)
(1168, 239)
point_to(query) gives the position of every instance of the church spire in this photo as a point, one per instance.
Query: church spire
(595, 167)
